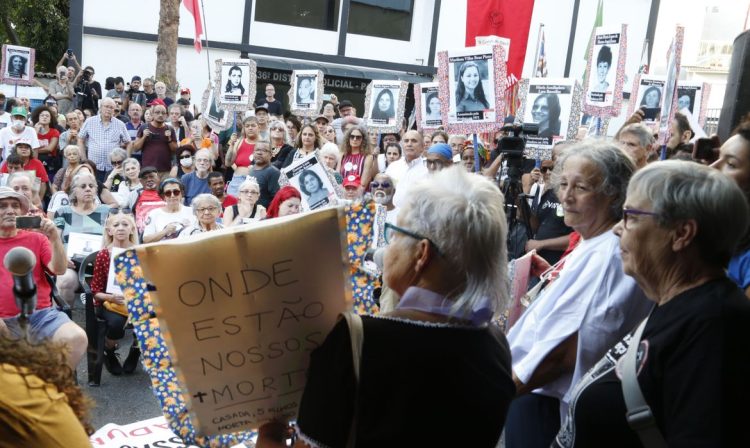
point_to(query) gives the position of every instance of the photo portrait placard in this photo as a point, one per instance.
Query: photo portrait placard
(310, 177)
(606, 72)
(18, 65)
(670, 86)
(428, 106)
(554, 105)
(472, 88)
(217, 118)
(384, 104)
(235, 85)
(648, 94)
(693, 96)
(306, 92)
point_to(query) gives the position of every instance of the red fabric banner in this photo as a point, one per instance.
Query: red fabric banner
(504, 18)
(193, 7)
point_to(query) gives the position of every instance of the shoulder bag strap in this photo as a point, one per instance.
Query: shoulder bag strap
(356, 333)
(639, 414)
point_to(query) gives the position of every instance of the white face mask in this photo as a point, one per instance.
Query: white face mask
(186, 162)
(18, 125)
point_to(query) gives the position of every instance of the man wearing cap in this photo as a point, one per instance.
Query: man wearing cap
(346, 109)
(100, 135)
(46, 322)
(351, 185)
(321, 122)
(273, 106)
(439, 156)
(156, 141)
(261, 113)
(134, 94)
(17, 130)
(185, 101)
(410, 168)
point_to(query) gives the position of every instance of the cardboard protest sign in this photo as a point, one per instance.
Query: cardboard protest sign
(241, 309)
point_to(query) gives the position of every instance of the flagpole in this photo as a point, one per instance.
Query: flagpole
(538, 49)
(205, 33)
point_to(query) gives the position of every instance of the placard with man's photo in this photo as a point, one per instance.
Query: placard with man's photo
(548, 103)
(316, 184)
(306, 92)
(235, 88)
(693, 96)
(384, 104)
(607, 57)
(17, 65)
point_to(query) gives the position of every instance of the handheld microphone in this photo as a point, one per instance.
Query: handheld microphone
(20, 262)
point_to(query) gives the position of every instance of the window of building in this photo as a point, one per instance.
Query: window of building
(316, 14)
(389, 19)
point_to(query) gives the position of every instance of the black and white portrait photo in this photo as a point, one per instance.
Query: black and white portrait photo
(471, 85)
(310, 177)
(306, 92)
(17, 64)
(384, 104)
(690, 96)
(216, 117)
(430, 105)
(548, 104)
(602, 71)
(685, 98)
(236, 85)
(650, 96)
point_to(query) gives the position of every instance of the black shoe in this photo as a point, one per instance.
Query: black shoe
(112, 362)
(131, 362)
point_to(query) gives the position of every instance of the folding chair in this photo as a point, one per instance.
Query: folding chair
(96, 328)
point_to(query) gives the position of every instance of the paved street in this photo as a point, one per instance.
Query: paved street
(123, 399)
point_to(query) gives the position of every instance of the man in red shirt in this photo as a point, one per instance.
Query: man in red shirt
(217, 185)
(46, 322)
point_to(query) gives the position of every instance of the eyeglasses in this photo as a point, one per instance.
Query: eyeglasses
(391, 228)
(544, 169)
(203, 210)
(375, 184)
(355, 137)
(171, 193)
(118, 210)
(116, 162)
(436, 163)
(631, 211)
(252, 192)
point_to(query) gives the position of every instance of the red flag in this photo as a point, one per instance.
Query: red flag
(504, 18)
(193, 8)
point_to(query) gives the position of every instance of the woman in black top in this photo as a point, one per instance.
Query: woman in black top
(681, 222)
(435, 371)
(247, 208)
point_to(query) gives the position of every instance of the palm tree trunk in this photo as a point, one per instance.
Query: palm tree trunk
(166, 46)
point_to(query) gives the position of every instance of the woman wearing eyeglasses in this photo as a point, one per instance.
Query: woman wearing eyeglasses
(120, 233)
(585, 305)
(207, 209)
(84, 215)
(247, 209)
(116, 176)
(280, 147)
(438, 351)
(681, 224)
(355, 155)
(167, 222)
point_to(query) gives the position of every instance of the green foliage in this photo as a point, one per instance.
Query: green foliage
(40, 24)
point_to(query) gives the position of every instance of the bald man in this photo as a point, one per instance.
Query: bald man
(410, 169)
(100, 135)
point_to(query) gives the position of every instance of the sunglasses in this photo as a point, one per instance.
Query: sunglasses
(116, 162)
(355, 137)
(118, 210)
(544, 169)
(172, 193)
(385, 184)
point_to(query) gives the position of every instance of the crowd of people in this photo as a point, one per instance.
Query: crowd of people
(636, 260)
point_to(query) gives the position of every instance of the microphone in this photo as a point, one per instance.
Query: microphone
(20, 262)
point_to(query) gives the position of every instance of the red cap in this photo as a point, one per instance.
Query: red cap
(157, 102)
(351, 180)
(185, 91)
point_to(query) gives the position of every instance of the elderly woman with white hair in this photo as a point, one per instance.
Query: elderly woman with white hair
(586, 303)
(84, 215)
(207, 209)
(681, 224)
(247, 209)
(330, 156)
(438, 354)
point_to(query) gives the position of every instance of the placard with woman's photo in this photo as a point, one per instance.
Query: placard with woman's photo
(217, 119)
(428, 106)
(607, 57)
(306, 92)
(384, 104)
(472, 86)
(549, 103)
(316, 184)
(693, 96)
(235, 88)
(17, 65)
(648, 94)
